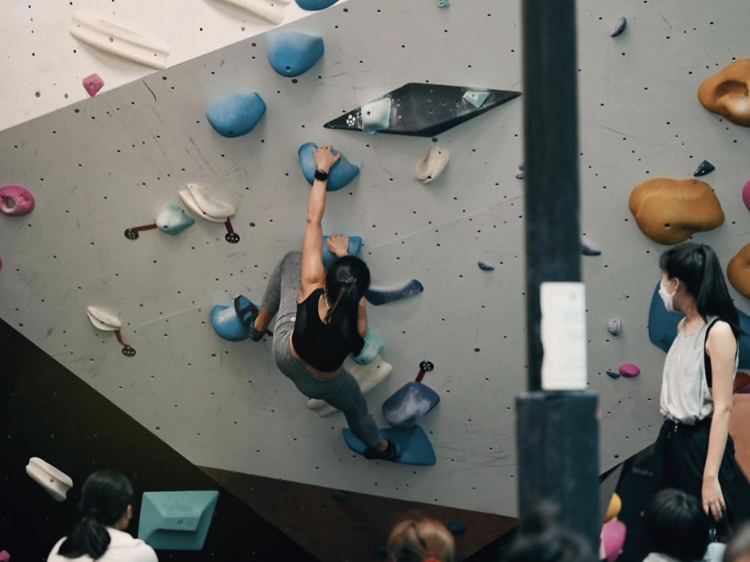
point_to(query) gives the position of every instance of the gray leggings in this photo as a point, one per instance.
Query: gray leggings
(342, 391)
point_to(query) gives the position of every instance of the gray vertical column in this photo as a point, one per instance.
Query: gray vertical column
(557, 432)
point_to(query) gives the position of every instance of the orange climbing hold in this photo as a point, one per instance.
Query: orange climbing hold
(726, 93)
(738, 271)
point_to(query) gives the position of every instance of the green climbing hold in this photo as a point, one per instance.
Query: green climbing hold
(476, 98)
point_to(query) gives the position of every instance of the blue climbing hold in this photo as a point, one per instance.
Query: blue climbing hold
(613, 374)
(315, 5)
(227, 320)
(413, 443)
(341, 175)
(443, 3)
(484, 266)
(378, 296)
(177, 520)
(292, 53)
(409, 404)
(235, 115)
(662, 328)
(355, 245)
(371, 350)
(338, 496)
(619, 27)
(703, 169)
(457, 527)
(173, 219)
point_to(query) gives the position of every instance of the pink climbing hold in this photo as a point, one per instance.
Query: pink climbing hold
(4, 556)
(746, 195)
(629, 370)
(612, 540)
(16, 201)
(93, 84)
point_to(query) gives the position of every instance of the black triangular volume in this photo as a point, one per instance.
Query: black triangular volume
(426, 110)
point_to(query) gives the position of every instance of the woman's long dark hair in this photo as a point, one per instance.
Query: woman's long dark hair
(105, 497)
(347, 281)
(697, 266)
(676, 525)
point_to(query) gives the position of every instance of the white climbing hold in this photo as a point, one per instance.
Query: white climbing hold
(368, 376)
(54, 481)
(203, 205)
(476, 98)
(265, 10)
(119, 41)
(429, 168)
(614, 326)
(376, 116)
(103, 320)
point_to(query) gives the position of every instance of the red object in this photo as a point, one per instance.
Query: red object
(144, 227)
(742, 382)
(432, 559)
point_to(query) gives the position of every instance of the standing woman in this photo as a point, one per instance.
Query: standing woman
(694, 451)
(322, 318)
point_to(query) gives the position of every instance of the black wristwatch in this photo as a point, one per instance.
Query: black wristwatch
(321, 175)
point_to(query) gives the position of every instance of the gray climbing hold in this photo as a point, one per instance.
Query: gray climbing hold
(614, 374)
(614, 326)
(703, 169)
(588, 248)
(484, 266)
(619, 27)
(376, 116)
(521, 176)
(476, 98)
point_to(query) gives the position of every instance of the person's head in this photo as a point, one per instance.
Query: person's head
(541, 538)
(106, 501)
(691, 276)
(676, 525)
(417, 540)
(347, 281)
(738, 549)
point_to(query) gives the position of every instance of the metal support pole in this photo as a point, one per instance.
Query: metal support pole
(557, 432)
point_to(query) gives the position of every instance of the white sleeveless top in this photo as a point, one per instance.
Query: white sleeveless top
(685, 396)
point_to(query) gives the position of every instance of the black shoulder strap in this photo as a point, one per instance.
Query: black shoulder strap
(706, 358)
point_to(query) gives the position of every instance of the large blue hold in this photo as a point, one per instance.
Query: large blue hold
(315, 5)
(235, 115)
(413, 443)
(176, 520)
(341, 175)
(292, 53)
(227, 320)
(409, 404)
(355, 245)
(662, 328)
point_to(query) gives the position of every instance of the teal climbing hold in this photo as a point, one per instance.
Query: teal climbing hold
(476, 98)
(173, 219)
(376, 116)
(176, 520)
(413, 443)
(371, 350)
(292, 53)
(355, 245)
(235, 115)
(227, 320)
(315, 5)
(443, 3)
(341, 175)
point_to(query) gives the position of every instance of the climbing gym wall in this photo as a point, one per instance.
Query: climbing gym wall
(115, 161)
(49, 65)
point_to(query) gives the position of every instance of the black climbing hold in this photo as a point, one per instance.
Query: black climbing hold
(484, 266)
(426, 110)
(381, 552)
(703, 169)
(131, 234)
(232, 237)
(619, 27)
(614, 374)
(128, 351)
(426, 366)
(378, 296)
(457, 527)
(338, 496)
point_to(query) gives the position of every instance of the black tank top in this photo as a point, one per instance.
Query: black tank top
(314, 341)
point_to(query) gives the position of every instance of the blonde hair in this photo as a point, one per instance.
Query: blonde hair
(416, 540)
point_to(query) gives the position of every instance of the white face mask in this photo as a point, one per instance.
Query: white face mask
(666, 297)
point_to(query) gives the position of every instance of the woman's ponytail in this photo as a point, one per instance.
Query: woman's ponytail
(347, 281)
(105, 498)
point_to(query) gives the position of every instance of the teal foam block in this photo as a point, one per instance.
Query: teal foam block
(373, 347)
(176, 520)
(355, 245)
(662, 328)
(235, 115)
(292, 53)
(413, 443)
(341, 175)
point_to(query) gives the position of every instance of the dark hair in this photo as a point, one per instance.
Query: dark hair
(416, 540)
(739, 546)
(542, 539)
(105, 497)
(697, 266)
(347, 281)
(676, 525)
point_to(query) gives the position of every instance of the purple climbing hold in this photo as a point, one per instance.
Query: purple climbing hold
(629, 370)
(614, 374)
(619, 27)
(484, 266)
(703, 169)
(93, 84)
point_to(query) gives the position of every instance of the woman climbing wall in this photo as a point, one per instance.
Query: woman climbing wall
(321, 318)
(694, 451)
